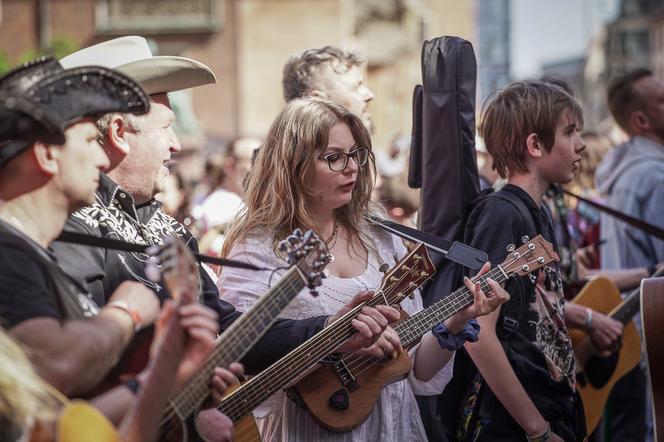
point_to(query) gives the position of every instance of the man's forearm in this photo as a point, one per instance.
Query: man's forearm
(76, 355)
(490, 359)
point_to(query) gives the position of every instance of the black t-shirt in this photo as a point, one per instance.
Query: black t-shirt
(535, 338)
(540, 349)
(27, 286)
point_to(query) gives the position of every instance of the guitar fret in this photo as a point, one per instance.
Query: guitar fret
(238, 338)
(251, 394)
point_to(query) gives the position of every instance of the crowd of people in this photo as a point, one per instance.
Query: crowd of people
(87, 147)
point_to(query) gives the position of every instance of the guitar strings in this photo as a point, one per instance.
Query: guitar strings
(441, 310)
(333, 335)
(496, 270)
(197, 389)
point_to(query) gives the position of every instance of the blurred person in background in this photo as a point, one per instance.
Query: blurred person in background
(225, 201)
(332, 73)
(175, 198)
(488, 175)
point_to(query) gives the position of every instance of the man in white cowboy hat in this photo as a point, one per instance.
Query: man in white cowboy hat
(139, 149)
(50, 164)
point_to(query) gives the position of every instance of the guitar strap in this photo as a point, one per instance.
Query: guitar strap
(650, 229)
(453, 250)
(116, 244)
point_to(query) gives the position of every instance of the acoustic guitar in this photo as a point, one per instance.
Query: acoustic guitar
(652, 321)
(596, 374)
(401, 281)
(79, 421)
(341, 395)
(308, 256)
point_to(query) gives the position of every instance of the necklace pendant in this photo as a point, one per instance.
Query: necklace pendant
(330, 257)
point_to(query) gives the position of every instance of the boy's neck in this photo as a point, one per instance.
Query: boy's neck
(531, 184)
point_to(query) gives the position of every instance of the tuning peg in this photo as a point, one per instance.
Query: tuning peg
(283, 246)
(532, 277)
(384, 268)
(510, 247)
(540, 260)
(524, 239)
(525, 267)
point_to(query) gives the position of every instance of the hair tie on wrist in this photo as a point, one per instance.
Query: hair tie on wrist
(470, 333)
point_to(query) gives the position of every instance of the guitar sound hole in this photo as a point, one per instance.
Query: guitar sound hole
(599, 370)
(339, 399)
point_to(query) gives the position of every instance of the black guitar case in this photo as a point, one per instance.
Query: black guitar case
(443, 164)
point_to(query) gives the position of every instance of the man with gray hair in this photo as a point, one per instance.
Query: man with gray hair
(329, 72)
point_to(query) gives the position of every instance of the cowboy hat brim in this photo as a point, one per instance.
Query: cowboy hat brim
(161, 74)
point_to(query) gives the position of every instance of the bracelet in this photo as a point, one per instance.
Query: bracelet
(542, 437)
(589, 319)
(133, 313)
(133, 385)
(470, 333)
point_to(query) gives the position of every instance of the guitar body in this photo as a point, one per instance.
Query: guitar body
(601, 295)
(652, 320)
(246, 430)
(325, 396)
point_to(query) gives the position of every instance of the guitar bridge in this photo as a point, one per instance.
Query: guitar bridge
(338, 364)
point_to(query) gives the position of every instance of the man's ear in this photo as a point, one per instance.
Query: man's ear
(46, 157)
(116, 134)
(534, 146)
(639, 122)
(317, 93)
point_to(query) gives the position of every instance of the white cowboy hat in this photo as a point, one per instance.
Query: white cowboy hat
(131, 55)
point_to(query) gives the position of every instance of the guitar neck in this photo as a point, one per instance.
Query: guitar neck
(631, 305)
(286, 370)
(237, 340)
(413, 328)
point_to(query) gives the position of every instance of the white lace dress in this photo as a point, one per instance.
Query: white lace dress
(395, 415)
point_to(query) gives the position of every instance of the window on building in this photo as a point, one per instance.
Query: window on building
(149, 16)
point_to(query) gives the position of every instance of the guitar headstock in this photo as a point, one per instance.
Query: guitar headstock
(532, 255)
(407, 275)
(178, 267)
(309, 253)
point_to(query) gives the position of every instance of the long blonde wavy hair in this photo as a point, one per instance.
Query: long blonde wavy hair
(24, 396)
(277, 190)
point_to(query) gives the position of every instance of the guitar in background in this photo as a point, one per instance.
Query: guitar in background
(652, 322)
(597, 374)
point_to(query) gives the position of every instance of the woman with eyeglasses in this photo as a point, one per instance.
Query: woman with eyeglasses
(316, 171)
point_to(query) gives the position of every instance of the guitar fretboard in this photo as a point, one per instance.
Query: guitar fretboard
(237, 340)
(632, 303)
(413, 328)
(283, 372)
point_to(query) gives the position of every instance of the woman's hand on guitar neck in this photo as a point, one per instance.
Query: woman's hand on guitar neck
(483, 304)
(369, 323)
(388, 344)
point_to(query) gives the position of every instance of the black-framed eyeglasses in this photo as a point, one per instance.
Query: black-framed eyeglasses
(338, 161)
